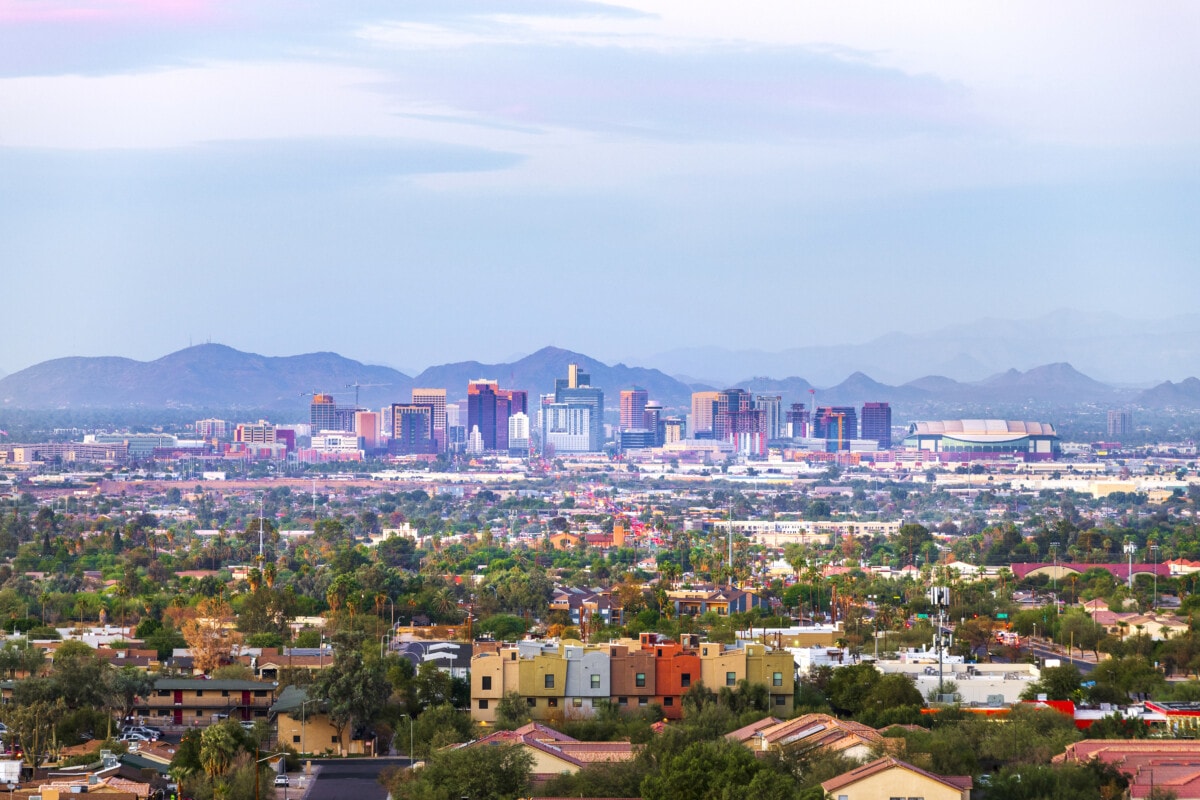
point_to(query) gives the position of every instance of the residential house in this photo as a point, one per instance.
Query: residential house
(890, 778)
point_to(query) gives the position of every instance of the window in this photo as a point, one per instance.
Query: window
(199, 713)
(577, 702)
(640, 679)
(643, 701)
(550, 681)
(668, 701)
(731, 679)
(531, 701)
(595, 681)
(163, 693)
(295, 738)
(224, 693)
(199, 693)
(487, 682)
(552, 702)
(622, 701)
(780, 700)
(685, 679)
(333, 740)
(260, 692)
(777, 679)
(483, 705)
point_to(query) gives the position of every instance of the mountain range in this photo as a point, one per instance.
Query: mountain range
(213, 376)
(1108, 347)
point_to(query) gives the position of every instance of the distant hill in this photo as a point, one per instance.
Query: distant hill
(204, 376)
(1185, 394)
(214, 376)
(536, 373)
(1108, 346)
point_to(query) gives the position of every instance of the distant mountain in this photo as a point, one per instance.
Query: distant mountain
(1109, 347)
(218, 377)
(204, 376)
(537, 372)
(1185, 394)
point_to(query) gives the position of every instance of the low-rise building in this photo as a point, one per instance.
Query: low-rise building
(887, 778)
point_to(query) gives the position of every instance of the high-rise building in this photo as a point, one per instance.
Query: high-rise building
(876, 424)
(729, 403)
(366, 425)
(481, 411)
(797, 421)
(674, 430)
(566, 428)
(836, 423)
(326, 415)
(772, 408)
(652, 420)
(1120, 423)
(633, 405)
(261, 432)
(518, 434)
(576, 391)
(412, 429)
(436, 400)
(702, 413)
(212, 429)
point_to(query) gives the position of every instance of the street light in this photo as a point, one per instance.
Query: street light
(410, 739)
(304, 721)
(1154, 554)
(257, 771)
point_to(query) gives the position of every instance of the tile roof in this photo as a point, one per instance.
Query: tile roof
(959, 782)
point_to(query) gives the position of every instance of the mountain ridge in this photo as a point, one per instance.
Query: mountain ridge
(219, 376)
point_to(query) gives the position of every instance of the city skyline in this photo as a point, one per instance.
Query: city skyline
(189, 171)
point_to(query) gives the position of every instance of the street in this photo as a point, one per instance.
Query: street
(344, 779)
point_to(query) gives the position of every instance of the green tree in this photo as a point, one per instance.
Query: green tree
(512, 711)
(1057, 683)
(720, 770)
(353, 690)
(126, 685)
(500, 772)
(219, 744)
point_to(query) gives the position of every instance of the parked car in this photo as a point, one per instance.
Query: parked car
(282, 780)
(134, 736)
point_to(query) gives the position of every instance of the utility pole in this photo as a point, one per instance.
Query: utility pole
(1130, 548)
(939, 596)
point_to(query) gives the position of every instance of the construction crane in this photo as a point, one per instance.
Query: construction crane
(356, 386)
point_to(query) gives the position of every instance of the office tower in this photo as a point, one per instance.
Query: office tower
(652, 421)
(729, 403)
(836, 423)
(674, 430)
(261, 432)
(436, 400)
(518, 434)
(633, 404)
(481, 412)
(702, 414)
(1120, 423)
(877, 424)
(385, 421)
(797, 421)
(576, 391)
(412, 430)
(366, 425)
(772, 408)
(566, 428)
(212, 429)
(326, 415)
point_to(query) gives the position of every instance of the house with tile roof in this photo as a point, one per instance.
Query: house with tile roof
(1162, 764)
(814, 731)
(555, 753)
(889, 778)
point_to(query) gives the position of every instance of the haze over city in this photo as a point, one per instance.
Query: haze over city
(428, 182)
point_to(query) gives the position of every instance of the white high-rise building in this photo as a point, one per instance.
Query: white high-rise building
(518, 434)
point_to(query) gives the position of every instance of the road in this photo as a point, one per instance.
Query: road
(344, 779)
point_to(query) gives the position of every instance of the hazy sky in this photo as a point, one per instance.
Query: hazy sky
(417, 182)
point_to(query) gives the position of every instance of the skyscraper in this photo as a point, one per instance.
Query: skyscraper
(436, 400)
(633, 405)
(412, 429)
(729, 403)
(481, 412)
(326, 415)
(797, 421)
(1120, 423)
(877, 423)
(836, 423)
(702, 414)
(576, 392)
(772, 408)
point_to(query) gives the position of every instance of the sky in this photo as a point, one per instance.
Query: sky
(412, 183)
